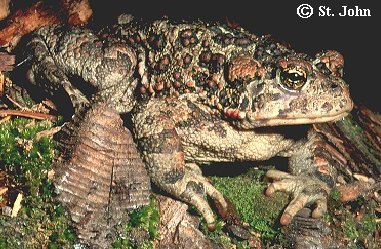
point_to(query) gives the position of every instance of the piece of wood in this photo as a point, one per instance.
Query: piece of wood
(28, 114)
(41, 13)
(4, 9)
(6, 62)
(99, 174)
(17, 205)
(358, 138)
(2, 83)
(79, 11)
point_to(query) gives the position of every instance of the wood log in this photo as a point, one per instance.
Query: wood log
(41, 13)
(7, 62)
(99, 174)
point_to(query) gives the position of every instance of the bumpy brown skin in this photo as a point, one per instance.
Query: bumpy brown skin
(202, 91)
(63, 58)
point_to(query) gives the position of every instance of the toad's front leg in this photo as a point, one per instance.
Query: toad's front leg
(163, 154)
(311, 178)
(86, 67)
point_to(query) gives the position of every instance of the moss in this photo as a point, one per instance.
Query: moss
(25, 161)
(335, 195)
(246, 192)
(147, 245)
(41, 222)
(142, 221)
(358, 227)
(218, 236)
(354, 133)
(367, 225)
(357, 221)
(349, 229)
(146, 217)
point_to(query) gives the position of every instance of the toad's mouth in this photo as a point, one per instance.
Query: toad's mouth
(274, 121)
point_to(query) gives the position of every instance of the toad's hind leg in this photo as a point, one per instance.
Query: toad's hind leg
(163, 154)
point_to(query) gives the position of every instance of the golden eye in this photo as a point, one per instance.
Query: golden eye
(293, 78)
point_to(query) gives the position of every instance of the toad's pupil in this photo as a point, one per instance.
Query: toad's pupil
(292, 76)
(292, 80)
(295, 76)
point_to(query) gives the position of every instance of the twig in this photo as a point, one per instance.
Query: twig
(3, 190)
(47, 133)
(2, 83)
(16, 205)
(28, 114)
(13, 101)
(5, 119)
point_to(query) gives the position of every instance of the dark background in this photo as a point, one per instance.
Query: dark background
(357, 38)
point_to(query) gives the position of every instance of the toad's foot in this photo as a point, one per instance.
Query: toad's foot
(164, 156)
(305, 190)
(193, 189)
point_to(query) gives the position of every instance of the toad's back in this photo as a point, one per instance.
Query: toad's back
(237, 74)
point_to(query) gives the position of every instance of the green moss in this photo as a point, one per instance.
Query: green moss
(146, 217)
(147, 245)
(349, 229)
(355, 228)
(354, 132)
(144, 220)
(3, 244)
(246, 192)
(218, 236)
(335, 195)
(367, 225)
(42, 222)
(358, 222)
(26, 160)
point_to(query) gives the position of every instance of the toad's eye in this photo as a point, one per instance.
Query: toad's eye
(293, 78)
